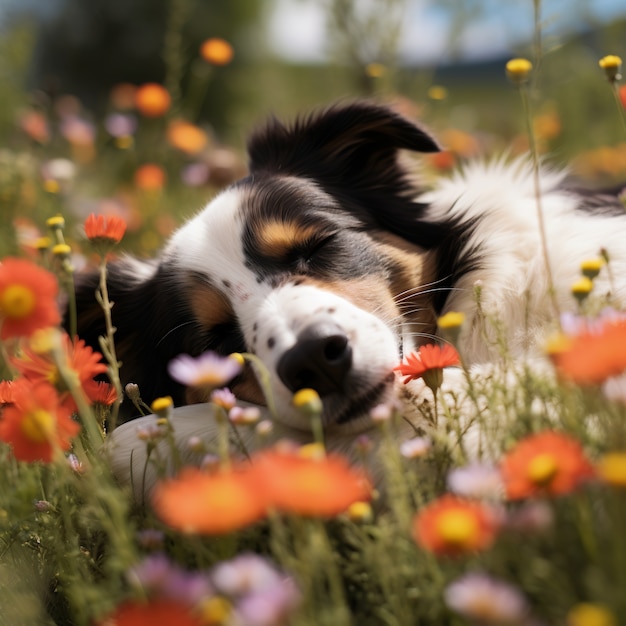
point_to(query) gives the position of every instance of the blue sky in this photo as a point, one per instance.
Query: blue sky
(297, 27)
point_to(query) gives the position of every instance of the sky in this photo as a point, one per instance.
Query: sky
(297, 28)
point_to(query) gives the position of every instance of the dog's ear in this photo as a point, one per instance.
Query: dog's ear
(355, 140)
(352, 151)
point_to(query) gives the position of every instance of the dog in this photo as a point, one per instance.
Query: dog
(330, 262)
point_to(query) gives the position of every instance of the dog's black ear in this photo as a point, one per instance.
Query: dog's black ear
(352, 151)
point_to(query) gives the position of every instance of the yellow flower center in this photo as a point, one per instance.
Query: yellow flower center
(38, 425)
(612, 468)
(542, 469)
(215, 610)
(457, 528)
(17, 302)
(452, 319)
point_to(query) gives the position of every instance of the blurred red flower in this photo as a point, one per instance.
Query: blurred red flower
(27, 298)
(36, 423)
(6, 392)
(453, 526)
(152, 100)
(104, 229)
(546, 463)
(216, 51)
(186, 137)
(150, 177)
(157, 612)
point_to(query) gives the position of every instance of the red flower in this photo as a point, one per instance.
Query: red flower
(109, 230)
(547, 463)
(453, 526)
(157, 612)
(152, 100)
(592, 356)
(104, 394)
(428, 363)
(216, 51)
(85, 362)
(27, 298)
(211, 504)
(622, 95)
(6, 392)
(318, 487)
(36, 424)
(150, 177)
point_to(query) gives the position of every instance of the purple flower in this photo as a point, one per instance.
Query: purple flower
(207, 370)
(487, 600)
(195, 174)
(476, 481)
(120, 125)
(269, 606)
(415, 448)
(224, 398)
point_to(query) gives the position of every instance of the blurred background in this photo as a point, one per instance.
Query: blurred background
(141, 107)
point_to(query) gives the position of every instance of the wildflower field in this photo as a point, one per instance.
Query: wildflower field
(526, 530)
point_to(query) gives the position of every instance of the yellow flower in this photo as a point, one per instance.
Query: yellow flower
(308, 400)
(61, 250)
(518, 70)
(162, 406)
(360, 512)
(612, 469)
(611, 65)
(582, 288)
(312, 451)
(591, 267)
(375, 70)
(589, 614)
(437, 92)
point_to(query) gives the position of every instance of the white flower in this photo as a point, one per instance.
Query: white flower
(207, 370)
(476, 481)
(415, 448)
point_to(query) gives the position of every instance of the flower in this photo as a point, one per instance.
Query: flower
(104, 394)
(186, 137)
(104, 231)
(6, 392)
(208, 370)
(216, 51)
(27, 298)
(518, 70)
(223, 397)
(611, 469)
(546, 463)
(611, 64)
(476, 481)
(152, 100)
(310, 486)
(150, 177)
(428, 363)
(36, 423)
(308, 401)
(622, 95)
(590, 614)
(591, 267)
(593, 355)
(35, 125)
(122, 96)
(81, 361)
(416, 447)
(582, 288)
(453, 526)
(156, 612)
(211, 504)
(486, 600)
(120, 125)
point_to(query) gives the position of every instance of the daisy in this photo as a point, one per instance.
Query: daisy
(546, 463)
(207, 370)
(28, 296)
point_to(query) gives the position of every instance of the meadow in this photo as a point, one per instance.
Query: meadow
(529, 531)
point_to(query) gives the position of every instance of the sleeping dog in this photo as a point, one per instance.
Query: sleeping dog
(329, 262)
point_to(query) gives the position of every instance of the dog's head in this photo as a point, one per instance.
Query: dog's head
(318, 262)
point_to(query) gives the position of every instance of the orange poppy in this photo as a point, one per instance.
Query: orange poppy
(152, 100)
(592, 356)
(453, 526)
(150, 177)
(428, 363)
(209, 503)
(156, 612)
(36, 423)
(80, 358)
(546, 463)
(107, 230)
(27, 298)
(216, 51)
(310, 486)
(186, 137)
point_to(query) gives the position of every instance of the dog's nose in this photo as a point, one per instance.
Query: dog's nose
(320, 360)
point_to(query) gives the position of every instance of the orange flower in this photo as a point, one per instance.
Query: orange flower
(428, 363)
(546, 463)
(209, 504)
(104, 394)
(156, 612)
(27, 298)
(80, 358)
(216, 51)
(106, 230)
(311, 486)
(622, 95)
(453, 526)
(36, 424)
(186, 137)
(152, 100)
(35, 125)
(592, 356)
(6, 392)
(150, 177)
(123, 96)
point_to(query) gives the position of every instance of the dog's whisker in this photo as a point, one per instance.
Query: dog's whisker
(173, 330)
